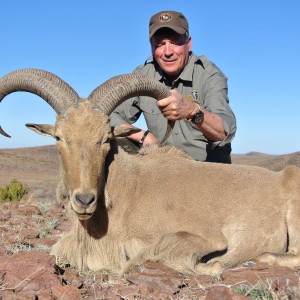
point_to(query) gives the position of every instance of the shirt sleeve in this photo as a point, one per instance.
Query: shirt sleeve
(127, 112)
(216, 101)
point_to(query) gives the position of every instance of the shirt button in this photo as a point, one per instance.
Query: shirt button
(176, 132)
(152, 111)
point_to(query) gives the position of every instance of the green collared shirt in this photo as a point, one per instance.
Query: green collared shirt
(200, 81)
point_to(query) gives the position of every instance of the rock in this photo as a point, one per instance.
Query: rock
(28, 233)
(223, 293)
(66, 292)
(29, 273)
(29, 210)
(157, 277)
(279, 277)
(72, 278)
(3, 229)
(4, 217)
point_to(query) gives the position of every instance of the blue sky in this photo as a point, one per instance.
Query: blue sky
(255, 43)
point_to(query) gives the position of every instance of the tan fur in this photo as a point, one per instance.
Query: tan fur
(161, 205)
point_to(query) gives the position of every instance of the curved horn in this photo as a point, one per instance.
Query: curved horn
(4, 133)
(56, 92)
(116, 90)
(65, 87)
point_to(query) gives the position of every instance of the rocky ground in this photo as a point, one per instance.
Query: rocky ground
(28, 271)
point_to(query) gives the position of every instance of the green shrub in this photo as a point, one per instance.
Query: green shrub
(14, 191)
(259, 292)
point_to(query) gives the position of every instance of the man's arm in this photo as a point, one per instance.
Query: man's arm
(149, 139)
(177, 107)
(125, 115)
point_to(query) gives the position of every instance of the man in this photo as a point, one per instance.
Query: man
(205, 124)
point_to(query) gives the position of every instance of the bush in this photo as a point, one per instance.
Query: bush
(14, 191)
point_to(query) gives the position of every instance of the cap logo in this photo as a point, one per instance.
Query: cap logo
(165, 17)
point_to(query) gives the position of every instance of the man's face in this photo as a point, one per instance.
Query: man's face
(171, 51)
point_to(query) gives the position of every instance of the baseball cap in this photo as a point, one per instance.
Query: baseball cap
(170, 19)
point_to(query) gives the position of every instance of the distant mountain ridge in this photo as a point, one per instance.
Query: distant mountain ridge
(271, 162)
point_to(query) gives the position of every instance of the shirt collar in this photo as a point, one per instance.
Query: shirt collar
(185, 75)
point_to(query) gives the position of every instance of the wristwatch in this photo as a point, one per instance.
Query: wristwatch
(198, 117)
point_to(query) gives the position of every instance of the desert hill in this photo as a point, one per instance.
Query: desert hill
(271, 162)
(37, 167)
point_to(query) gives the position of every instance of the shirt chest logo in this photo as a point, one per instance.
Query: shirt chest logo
(194, 96)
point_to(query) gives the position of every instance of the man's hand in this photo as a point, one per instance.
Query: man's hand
(149, 140)
(176, 107)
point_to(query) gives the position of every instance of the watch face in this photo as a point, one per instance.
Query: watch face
(198, 117)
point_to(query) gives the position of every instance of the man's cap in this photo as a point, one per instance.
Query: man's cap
(168, 19)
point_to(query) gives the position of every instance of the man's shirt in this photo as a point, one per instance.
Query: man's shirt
(200, 81)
